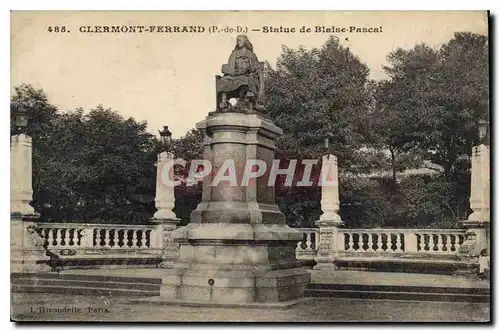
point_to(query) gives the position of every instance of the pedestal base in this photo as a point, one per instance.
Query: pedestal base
(26, 251)
(232, 287)
(160, 300)
(246, 264)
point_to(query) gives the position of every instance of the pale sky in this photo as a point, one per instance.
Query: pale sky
(168, 78)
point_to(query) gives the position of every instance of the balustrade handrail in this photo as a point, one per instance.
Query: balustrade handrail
(405, 230)
(87, 225)
(401, 230)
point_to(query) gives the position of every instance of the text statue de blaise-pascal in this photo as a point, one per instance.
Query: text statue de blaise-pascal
(243, 80)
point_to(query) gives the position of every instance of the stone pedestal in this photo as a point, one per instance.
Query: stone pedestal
(26, 246)
(237, 248)
(330, 241)
(21, 192)
(478, 223)
(165, 219)
(480, 185)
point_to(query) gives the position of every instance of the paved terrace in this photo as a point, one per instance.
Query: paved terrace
(26, 306)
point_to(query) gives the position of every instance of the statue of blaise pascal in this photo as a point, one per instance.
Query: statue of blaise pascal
(243, 80)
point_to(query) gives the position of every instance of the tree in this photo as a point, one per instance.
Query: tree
(433, 99)
(318, 93)
(402, 110)
(94, 167)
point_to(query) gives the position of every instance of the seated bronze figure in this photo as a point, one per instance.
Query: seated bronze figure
(243, 79)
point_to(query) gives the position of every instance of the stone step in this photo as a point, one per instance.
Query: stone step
(84, 283)
(90, 277)
(407, 293)
(71, 290)
(401, 288)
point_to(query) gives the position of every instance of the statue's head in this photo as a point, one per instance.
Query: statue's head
(243, 41)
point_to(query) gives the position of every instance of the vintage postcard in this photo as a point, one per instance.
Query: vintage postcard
(250, 166)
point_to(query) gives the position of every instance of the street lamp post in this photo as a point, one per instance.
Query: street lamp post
(21, 116)
(483, 127)
(165, 136)
(328, 146)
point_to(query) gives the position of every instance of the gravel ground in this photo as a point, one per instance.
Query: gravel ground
(54, 307)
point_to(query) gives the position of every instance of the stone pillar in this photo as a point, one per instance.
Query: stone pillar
(480, 185)
(164, 218)
(26, 246)
(329, 221)
(237, 248)
(478, 223)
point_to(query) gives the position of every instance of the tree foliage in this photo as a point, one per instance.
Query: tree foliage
(318, 93)
(90, 167)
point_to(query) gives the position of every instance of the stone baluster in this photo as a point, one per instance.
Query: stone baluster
(350, 245)
(379, 243)
(370, 243)
(426, 242)
(298, 249)
(432, 243)
(98, 238)
(72, 237)
(64, 237)
(423, 242)
(308, 241)
(43, 235)
(141, 238)
(52, 237)
(398, 243)
(49, 238)
(116, 239)
(458, 241)
(448, 243)
(107, 238)
(134, 238)
(440, 246)
(59, 238)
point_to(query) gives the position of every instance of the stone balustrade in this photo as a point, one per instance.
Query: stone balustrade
(103, 241)
(386, 242)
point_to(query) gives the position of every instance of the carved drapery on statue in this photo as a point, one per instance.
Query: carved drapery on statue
(243, 80)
